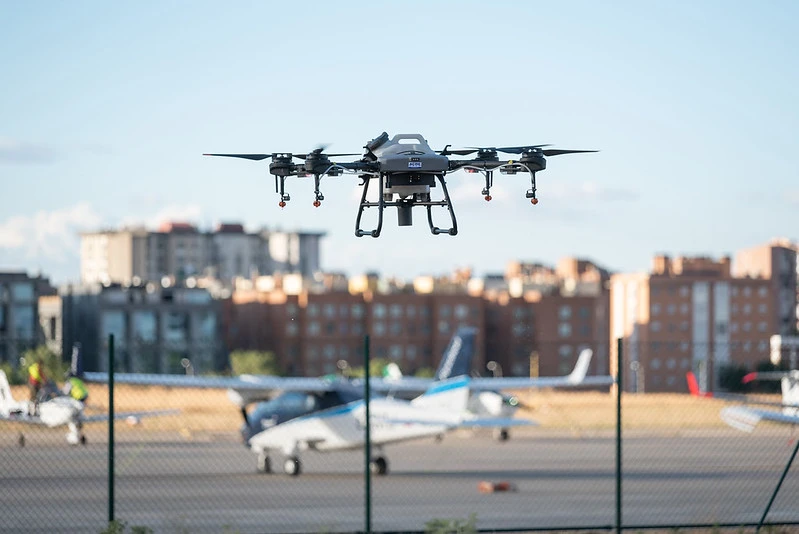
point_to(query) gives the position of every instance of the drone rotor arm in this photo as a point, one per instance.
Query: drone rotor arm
(558, 152)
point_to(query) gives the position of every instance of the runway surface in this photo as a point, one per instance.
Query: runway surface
(171, 484)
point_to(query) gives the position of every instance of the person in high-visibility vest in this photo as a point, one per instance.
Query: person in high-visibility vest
(75, 388)
(36, 379)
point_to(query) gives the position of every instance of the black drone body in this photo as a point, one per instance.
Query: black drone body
(406, 169)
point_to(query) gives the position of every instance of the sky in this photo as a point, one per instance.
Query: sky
(107, 107)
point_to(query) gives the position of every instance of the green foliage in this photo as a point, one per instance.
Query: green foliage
(16, 375)
(425, 372)
(120, 527)
(376, 367)
(452, 526)
(254, 362)
(731, 377)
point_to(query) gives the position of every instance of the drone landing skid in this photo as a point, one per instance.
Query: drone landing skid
(404, 213)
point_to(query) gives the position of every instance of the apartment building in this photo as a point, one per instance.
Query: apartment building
(19, 313)
(180, 250)
(699, 314)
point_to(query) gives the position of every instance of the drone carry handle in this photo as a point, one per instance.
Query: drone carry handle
(453, 230)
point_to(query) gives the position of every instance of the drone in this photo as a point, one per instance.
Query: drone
(406, 169)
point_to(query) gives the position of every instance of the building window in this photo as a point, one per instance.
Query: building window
(733, 327)
(747, 291)
(396, 310)
(357, 311)
(291, 328)
(671, 363)
(585, 313)
(379, 311)
(330, 311)
(379, 328)
(461, 311)
(671, 309)
(410, 310)
(655, 309)
(564, 329)
(314, 328)
(762, 291)
(683, 308)
(565, 312)
(330, 352)
(747, 309)
(519, 329)
(443, 327)
(313, 309)
(684, 291)
(565, 350)
(747, 326)
(655, 363)
(410, 353)
(396, 328)
(762, 326)
(395, 352)
(762, 308)
(654, 326)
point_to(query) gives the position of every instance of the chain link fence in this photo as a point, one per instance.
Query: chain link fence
(680, 466)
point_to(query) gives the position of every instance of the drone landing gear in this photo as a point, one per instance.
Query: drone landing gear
(489, 176)
(404, 207)
(531, 192)
(318, 196)
(280, 188)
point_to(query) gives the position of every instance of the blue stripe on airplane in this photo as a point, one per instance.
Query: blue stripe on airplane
(448, 386)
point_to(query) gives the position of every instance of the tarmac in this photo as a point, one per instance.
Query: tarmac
(545, 480)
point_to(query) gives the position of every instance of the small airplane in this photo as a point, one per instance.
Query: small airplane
(58, 409)
(406, 168)
(328, 413)
(745, 417)
(486, 398)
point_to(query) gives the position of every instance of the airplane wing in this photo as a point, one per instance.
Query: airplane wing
(576, 378)
(103, 417)
(745, 418)
(22, 417)
(242, 390)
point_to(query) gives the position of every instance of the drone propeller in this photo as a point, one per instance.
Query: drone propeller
(318, 152)
(558, 152)
(256, 157)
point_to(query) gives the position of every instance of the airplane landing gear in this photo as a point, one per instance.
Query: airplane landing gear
(292, 466)
(502, 434)
(264, 463)
(379, 466)
(21, 440)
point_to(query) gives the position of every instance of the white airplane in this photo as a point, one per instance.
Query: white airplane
(746, 416)
(486, 398)
(58, 409)
(328, 413)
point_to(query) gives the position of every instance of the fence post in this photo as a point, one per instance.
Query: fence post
(110, 427)
(774, 495)
(367, 446)
(619, 387)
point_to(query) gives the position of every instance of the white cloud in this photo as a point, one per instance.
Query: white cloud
(52, 235)
(15, 151)
(191, 213)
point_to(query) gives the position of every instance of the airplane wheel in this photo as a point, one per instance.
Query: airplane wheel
(292, 466)
(83, 440)
(379, 466)
(21, 440)
(264, 463)
(503, 435)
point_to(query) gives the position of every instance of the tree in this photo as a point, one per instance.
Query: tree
(254, 362)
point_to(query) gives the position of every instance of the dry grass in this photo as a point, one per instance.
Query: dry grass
(209, 410)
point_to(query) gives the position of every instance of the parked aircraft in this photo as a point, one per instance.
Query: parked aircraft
(57, 410)
(746, 416)
(486, 398)
(328, 413)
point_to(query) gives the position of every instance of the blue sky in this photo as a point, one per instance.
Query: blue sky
(106, 108)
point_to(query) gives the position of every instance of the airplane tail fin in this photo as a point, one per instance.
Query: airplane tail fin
(693, 384)
(76, 364)
(450, 395)
(458, 356)
(581, 367)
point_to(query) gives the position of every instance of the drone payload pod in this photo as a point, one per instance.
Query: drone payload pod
(406, 168)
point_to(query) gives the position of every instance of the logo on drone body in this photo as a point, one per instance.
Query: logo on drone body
(449, 357)
(414, 164)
